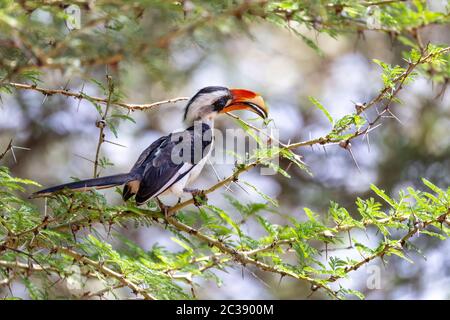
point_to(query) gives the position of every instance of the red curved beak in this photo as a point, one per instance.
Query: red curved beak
(247, 100)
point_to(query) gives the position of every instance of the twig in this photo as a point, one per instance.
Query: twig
(397, 245)
(107, 271)
(243, 258)
(101, 292)
(271, 137)
(8, 148)
(102, 124)
(381, 2)
(27, 266)
(81, 95)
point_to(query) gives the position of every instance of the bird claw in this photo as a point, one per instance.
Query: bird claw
(165, 209)
(198, 196)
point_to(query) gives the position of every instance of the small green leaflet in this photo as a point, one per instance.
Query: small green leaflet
(310, 214)
(182, 244)
(250, 131)
(263, 195)
(322, 108)
(432, 186)
(225, 217)
(382, 195)
(123, 116)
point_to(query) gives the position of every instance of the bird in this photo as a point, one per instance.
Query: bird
(172, 162)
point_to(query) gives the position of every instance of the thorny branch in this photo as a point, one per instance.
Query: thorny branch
(81, 95)
(249, 257)
(397, 245)
(102, 124)
(98, 267)
(43, 59)
(107, 271)
(242, 257)
(7, 149)
(10, 148)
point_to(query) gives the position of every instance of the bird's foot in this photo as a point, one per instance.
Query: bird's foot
(165, 209)
(199, 196)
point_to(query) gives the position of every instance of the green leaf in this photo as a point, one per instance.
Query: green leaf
(250, 131)
(182, 244)
(382, 195)
(112, 127)
(432, 186)
(263, 195)
(123, 116)
(99, 84)
(224, 216)
(322, 108)
(310, 214)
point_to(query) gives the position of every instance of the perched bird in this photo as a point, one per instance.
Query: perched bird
(174, 161)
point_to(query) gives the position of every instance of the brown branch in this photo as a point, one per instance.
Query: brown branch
(13, 236)
(107, 271)
(81, 95)
(7, 281)
(399, 81)
(28, 266)
(244, 259)
(100, 293)
(7, 149)
(381, 2)
(269, 136)
(102, 124)
(240, 256)
(331, 231)
(397, 245)
(231, 178)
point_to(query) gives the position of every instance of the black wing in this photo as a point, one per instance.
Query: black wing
(165, 162)
(138, 170)
(161, 171)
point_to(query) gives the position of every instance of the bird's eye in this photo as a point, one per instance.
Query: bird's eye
(221, 103)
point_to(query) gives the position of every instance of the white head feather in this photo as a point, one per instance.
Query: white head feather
(201, 105)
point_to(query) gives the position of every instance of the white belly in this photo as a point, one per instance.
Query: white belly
(178, 187)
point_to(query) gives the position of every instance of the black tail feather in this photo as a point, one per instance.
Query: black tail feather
(100, 183)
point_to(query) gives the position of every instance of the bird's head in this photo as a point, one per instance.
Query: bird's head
(210, 101)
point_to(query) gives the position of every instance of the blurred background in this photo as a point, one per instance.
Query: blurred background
(274, 61)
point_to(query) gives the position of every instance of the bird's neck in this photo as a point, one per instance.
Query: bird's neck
(206, 120)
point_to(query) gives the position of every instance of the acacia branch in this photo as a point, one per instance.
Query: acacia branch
(100, 293)
(332, 231)
(245, 259)
(107, 271)
(397, 245)
(81, 95)
(240, 256)
(7, 149)
(26, 266)
(102, 124)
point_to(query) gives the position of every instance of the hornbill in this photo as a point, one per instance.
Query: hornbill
(174, 161)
